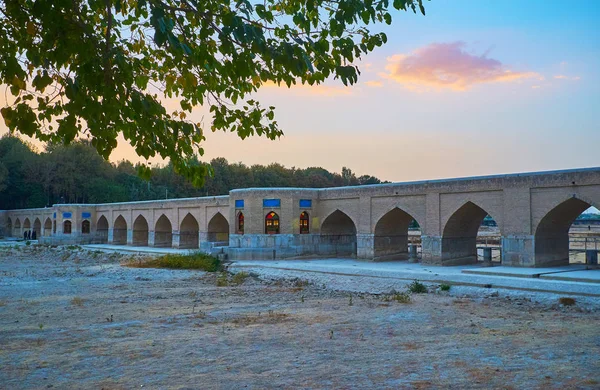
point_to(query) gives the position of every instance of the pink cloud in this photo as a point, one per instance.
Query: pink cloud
(449, 66)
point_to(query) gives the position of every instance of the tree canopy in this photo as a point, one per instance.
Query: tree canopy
(77, 174)
(99, 68)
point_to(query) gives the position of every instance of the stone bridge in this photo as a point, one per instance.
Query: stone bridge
(533, 211)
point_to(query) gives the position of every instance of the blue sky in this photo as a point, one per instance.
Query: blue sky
(474, 87)
(407, 128)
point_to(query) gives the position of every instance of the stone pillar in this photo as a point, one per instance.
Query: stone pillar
(412, 253)
(518, 250)
(431, 250)
(111, 236)
(487, 257)
(365, 240)
(175, 239)
(151, 238)
(129, 236)
(365, 246)
(518, 242)
(591, 257)
(431, 237)
(203, 242)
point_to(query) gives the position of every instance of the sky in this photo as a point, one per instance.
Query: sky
(475, 87)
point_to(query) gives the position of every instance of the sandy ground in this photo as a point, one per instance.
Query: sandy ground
(74, 319)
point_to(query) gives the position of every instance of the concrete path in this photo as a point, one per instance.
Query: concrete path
(520, 272)
(588, 276)
(410, 271)
(134, 249)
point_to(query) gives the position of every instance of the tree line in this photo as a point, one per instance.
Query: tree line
(78, 174)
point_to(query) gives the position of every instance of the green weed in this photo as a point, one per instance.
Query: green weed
(222, 280)
(239, 278)
(417, 287)
(197, 260)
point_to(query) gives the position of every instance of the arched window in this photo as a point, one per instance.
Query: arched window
(272, 223)
(304, 229)
(240, 223)
(67, 227)
(85, 227)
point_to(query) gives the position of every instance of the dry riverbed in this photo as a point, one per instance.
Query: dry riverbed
(77, 319)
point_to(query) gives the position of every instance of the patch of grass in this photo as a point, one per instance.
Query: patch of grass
(77, 301)
(27, 242)
(417, 287)
(197, 260)
(445, 287)
(239, 278)
(399, 297)
(566, 301)
(301, 283)
(222, 280)
(73, 247)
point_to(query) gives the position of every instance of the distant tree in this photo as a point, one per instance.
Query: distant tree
(99, 68)
(366, 179)
(77, 174)
(22, 188)
(3, 177)
(349, 177)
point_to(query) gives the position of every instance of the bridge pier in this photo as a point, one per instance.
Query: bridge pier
(175, 239)
(518, 250)
(365, 246)
(111, 236)
(151, 237)
(129, 236)
(431, 250)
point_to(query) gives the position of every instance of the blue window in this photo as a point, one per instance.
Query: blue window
(305, 203)
(67, 215)
(54, 215)
(239, 204)
(86, 215)
(271, 202)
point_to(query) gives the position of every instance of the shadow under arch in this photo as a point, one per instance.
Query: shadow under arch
(551, 239)
(140, 231)
(218, 228)
(102, 229)
(188, 232)
(120, 231)
(459, 237)
(47, 227)
(163, 232)
(37, 227)
(391, 235)
(338, 235)
(26, 224)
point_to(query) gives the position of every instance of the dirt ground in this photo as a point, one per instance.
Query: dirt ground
(76, 319)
